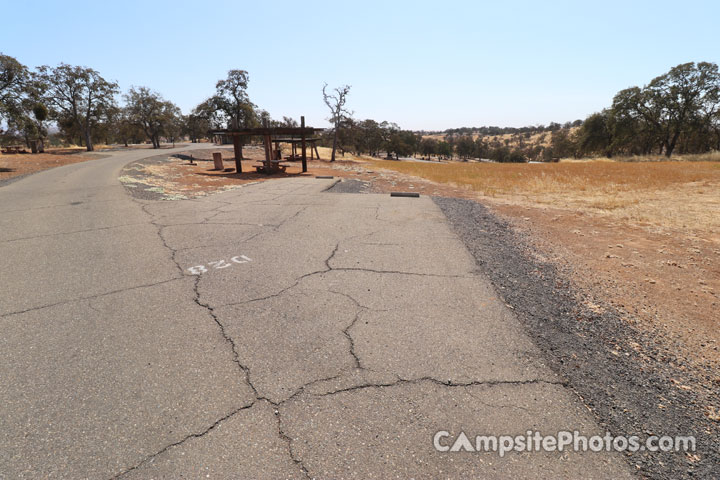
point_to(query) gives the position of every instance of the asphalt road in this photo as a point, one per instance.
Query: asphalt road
(273, 331)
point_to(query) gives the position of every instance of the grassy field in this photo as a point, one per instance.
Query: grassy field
(684, 195)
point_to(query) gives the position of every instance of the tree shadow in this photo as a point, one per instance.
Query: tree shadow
(6, 169)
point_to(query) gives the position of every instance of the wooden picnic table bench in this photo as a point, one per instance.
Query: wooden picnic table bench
(13, 149)
(275, 166)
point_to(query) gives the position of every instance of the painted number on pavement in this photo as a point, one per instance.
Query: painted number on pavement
(218, 265)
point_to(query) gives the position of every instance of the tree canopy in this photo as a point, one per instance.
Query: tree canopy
(152, 113)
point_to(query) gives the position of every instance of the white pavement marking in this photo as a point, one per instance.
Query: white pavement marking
(218, 264)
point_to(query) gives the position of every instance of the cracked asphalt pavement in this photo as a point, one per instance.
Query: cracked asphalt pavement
(272, 331)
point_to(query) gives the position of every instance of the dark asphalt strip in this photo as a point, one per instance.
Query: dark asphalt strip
(629, 393)
(350, 185)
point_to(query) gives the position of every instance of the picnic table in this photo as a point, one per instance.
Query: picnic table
(270, 166)
(13, 149)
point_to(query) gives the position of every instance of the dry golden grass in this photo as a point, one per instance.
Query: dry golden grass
(698, 157)
(325, 153)
(683, 195)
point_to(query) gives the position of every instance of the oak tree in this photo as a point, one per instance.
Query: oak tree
(79, 96)
(335, 101)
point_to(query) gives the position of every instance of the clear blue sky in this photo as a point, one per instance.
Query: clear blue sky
(423, 65)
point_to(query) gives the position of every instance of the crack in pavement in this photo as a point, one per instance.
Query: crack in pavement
(73, 232)
(239, 242)
(64, 302)
(220, 223)
(245, 371)
(284, 436)
(443, 383)
(228, 339)
(396, 272)
(329, 268)
(159, 229)
(150, 458)
(346, 331)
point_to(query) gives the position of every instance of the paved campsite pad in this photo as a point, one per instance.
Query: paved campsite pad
(325, 336)
(362, 324)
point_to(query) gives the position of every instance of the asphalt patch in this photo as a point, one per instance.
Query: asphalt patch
(629, 393)
(350, 185)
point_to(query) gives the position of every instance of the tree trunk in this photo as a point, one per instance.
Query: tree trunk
(332, 157)
(671, 146)
(88, 141)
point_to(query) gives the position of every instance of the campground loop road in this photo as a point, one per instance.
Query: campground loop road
(326, 335)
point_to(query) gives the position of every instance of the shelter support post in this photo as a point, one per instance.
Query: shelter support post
(237, 147)
(302, 138)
